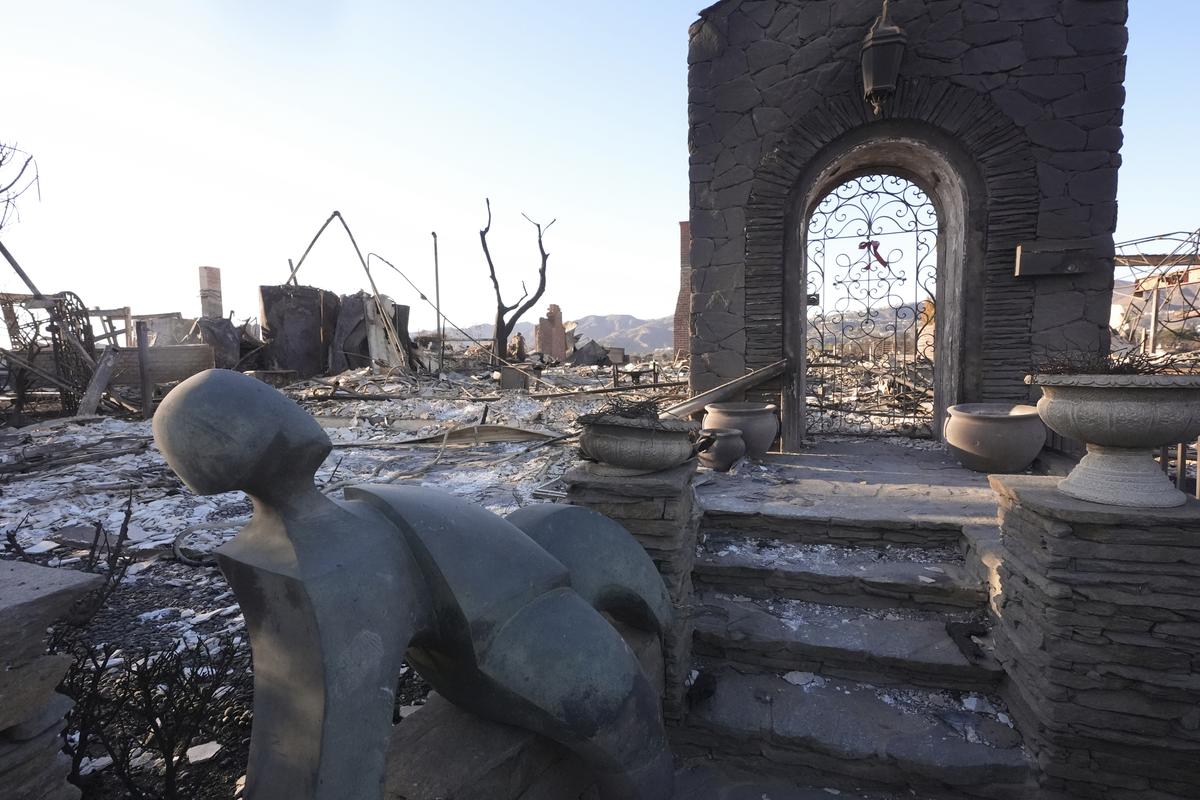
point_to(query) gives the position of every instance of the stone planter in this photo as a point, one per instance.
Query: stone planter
(994, 437)
(1122, 419)
(757, 422)
(647, 445)
(725, 449)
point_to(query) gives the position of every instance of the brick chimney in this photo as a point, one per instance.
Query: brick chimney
(210, 292)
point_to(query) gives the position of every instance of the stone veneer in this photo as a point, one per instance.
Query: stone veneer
(683, 304)
(32, 714)
(1099, 630)
(661, 512)
(1023, 97)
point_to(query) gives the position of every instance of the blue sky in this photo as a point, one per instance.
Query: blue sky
(174, 135)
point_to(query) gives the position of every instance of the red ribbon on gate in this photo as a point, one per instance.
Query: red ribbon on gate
(874, 247)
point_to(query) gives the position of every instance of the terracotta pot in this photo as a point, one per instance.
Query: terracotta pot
(994, 437)
(1123, 419)
(638, 444)
(723, 450)
(757, 422)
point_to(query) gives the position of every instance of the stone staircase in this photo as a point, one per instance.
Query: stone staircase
(849, 653)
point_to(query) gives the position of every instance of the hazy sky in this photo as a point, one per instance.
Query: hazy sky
(171, 135)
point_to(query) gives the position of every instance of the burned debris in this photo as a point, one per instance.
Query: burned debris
(510, 561)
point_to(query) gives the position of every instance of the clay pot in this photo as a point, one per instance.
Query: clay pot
(994, 437)
(757, 422)
(1123, 419)
(638, 444)
(724, 449)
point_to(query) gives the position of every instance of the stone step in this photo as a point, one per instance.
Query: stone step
(901, 647)
(887, 577)
(856, 736)
(862, 523)
(706, 781)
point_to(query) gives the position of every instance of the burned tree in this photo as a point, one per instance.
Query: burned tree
(507, 315)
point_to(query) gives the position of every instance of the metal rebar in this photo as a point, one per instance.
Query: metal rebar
(437, 307)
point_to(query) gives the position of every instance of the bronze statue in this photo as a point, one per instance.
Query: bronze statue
(502, 617)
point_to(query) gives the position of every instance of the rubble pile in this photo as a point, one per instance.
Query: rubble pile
(864, 396)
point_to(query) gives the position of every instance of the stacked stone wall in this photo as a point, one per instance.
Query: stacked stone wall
(1031, 90)
(32, 714)
(661, 512)
(1099, 631)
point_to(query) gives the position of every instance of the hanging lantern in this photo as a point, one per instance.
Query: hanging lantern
(882, 52)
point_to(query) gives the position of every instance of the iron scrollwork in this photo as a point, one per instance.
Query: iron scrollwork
(872, 264)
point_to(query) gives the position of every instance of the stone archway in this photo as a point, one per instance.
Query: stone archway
(938, 165)
(980, 172)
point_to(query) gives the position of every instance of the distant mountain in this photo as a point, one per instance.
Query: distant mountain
(615, 330)
(621, 330)
(483, 332)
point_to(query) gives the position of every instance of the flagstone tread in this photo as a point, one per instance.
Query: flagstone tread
(914, 648)
(850, 526)
(850, 492)
(861, 735)
(864, 577)
(704, 781)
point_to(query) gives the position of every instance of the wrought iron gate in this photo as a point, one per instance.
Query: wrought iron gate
(871, 272)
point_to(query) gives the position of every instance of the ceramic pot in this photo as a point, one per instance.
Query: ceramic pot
(757, 422)
(1122, 419)
(724, 448)
(994, 437)
(638, 444)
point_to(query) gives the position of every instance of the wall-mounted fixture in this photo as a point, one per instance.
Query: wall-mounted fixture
(882, 52)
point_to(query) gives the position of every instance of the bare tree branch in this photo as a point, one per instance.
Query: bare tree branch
(541, 270)
(14, 181)
(487, 253)
(506, 322)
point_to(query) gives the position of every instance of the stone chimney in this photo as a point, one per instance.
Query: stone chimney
(550, 336)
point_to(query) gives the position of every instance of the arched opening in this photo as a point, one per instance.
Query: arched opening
(871, 281)
(886, 348)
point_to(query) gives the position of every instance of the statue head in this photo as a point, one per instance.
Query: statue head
(221, 431)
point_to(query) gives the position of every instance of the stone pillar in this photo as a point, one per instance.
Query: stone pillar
(683, 305)
(661, 512)
(31, 712)
(1099, 631)
(210, 292)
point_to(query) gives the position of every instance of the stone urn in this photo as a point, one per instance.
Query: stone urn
(994, 437)
(758, 423)
(641, 444)
(1122, 419)
(721, 448)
